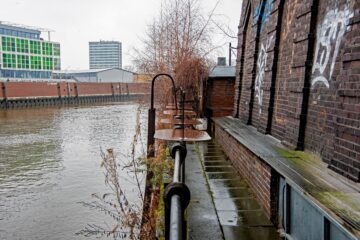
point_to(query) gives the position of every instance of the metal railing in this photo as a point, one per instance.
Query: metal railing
(176, 196)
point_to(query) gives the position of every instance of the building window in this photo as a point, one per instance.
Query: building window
(47, 48)
(22, 45)
(8, 44)
(9, 60)
(35, 47)
(57, 64)
(47, 63)
(35, 62)
(56, 49)
(23, 61)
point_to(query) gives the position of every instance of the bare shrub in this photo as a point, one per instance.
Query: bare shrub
(178, 42)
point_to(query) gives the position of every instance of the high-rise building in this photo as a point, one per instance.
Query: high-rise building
(105, 54)
(23, 54)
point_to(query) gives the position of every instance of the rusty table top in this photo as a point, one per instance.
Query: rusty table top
(180, 122)
(179, 112)
(190, 135)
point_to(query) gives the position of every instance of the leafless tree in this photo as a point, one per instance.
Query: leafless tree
(178, 42)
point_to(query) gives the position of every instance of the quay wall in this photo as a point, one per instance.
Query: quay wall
(29, 94)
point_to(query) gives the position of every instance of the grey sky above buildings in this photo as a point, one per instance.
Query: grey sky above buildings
(76, 22)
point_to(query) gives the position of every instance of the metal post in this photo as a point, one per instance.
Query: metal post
(152, 113)
(151, 132)
(229, 53)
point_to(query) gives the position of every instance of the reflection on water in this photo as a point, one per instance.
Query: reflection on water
(50, 161)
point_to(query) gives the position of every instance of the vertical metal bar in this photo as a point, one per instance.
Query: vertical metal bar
(326, 229)
(151, 132)
(183, 114)
(287, 209)
(229, 53)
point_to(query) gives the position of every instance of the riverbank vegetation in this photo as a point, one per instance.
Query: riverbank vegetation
(127, 213)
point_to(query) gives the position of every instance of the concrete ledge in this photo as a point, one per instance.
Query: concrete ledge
(338, 198)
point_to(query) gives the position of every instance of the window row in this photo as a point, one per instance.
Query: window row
(30, 62)
(19, 33)
(10, 44)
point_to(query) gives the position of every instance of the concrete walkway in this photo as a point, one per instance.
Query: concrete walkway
(221, 207)
(203, 222)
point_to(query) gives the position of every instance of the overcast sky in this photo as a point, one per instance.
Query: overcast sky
(76, 22)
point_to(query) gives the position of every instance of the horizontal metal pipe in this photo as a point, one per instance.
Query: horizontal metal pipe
(177, 167)
(175, 218)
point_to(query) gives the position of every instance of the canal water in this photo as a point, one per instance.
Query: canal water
(50, 163)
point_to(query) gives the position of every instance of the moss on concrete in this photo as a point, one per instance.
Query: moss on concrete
(344, 205)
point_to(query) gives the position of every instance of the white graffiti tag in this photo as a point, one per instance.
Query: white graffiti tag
(330, 31)
(261, 64)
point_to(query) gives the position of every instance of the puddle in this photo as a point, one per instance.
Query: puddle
(218, 168)
(216, 163)
(231, 193)
(253, 233)
(243, 218)
(229, 183)
(236, 204)
(223, 175)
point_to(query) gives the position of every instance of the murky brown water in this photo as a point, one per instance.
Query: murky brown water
(50, 161)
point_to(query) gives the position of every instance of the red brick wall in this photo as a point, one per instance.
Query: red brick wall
(23, 90)
(15, 90)
(91, 89)
(139, 88)
(1, 90)
(297, 83)
(256, 172)
(220, 96)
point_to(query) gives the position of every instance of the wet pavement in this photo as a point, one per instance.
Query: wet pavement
(237, 212)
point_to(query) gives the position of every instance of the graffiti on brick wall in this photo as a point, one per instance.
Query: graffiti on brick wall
(261, 65)
(329, 35)
(266, 14)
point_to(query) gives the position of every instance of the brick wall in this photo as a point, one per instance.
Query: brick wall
(24, 90)
(16, 90)
(256, 172)
(220, 96)
(298, 76)
(93, 89)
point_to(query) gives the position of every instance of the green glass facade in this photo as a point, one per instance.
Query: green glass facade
(29, 54)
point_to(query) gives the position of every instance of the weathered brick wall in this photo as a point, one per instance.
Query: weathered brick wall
(25, 90)
(93, 89)
(298, 76)
(220, 96)
(139, 88)
(256, 172)
(18, 90)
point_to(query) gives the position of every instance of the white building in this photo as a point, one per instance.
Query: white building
(105, 54)
(96, 75)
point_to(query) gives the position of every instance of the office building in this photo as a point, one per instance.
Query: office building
(24, 54)
(105, 54)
